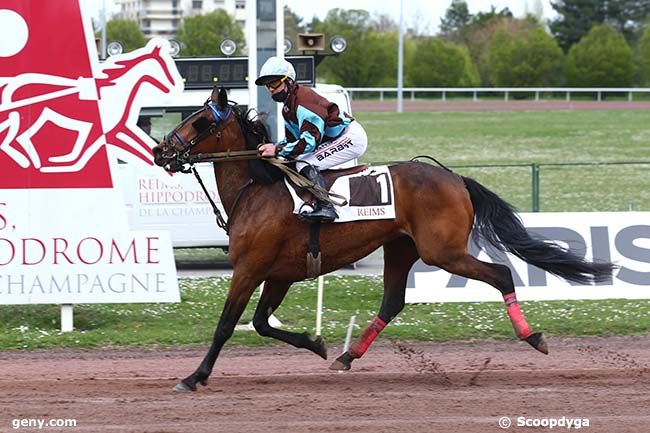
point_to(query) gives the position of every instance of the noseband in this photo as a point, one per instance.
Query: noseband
(182, 157)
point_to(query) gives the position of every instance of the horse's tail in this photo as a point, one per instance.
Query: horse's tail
(497, 223)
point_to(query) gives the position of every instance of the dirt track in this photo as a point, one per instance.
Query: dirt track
(406, 387)
(492, 105)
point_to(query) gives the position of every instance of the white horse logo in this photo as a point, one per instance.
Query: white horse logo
(116, 91)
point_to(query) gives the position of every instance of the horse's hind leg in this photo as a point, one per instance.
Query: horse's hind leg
(399, 256)
(271, 298)
(500, 277)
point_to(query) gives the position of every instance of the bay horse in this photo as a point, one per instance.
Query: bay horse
(436, 211)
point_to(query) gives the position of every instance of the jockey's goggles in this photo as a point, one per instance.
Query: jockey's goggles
(277, 83)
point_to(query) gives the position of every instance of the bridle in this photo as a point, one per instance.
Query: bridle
(181, 157)
(181, 160)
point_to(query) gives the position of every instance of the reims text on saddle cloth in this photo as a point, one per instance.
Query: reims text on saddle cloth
(369, 194)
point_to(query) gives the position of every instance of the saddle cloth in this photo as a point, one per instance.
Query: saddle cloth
(369, 195)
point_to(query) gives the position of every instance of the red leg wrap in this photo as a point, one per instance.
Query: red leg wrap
(359, 347)
(522, 328)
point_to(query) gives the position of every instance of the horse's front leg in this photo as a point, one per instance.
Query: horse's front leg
(241, 289)
(271, 298)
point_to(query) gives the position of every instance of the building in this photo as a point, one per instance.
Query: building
(162, 17)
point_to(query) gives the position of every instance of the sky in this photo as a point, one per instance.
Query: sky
(422, 14)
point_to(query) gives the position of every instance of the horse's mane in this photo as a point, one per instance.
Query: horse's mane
(255, 133)
(253, 128)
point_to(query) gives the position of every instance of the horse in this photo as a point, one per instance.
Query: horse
(436, 211)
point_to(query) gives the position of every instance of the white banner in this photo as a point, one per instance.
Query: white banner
(74, 246)
(620, 237)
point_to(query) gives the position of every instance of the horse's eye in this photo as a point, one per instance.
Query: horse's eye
(201, 124)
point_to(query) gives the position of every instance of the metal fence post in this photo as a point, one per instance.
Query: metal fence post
(535, 178)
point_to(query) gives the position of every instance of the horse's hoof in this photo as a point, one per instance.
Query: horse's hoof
(321, 347)
(538, 341)
(184, 387)
(342, 363)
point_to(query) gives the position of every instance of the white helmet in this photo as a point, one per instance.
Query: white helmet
(275, 68)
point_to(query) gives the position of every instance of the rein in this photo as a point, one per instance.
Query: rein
(221, 222)
(184, 158)
(295, 177)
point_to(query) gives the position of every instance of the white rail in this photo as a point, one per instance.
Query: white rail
(507, 91)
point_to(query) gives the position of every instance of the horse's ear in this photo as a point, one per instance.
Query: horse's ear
(220, 96)
(222, 102)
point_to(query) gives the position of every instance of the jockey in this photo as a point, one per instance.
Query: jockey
(318, 135)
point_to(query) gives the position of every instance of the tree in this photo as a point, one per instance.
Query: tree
(454, 26)
(371, 57)
(536, 10)
(483, 18)
(529, 57)
(127, 32)
(603, 58)
(292, 26)
(385, 23)
(643, 58)
(480, 37)
(370, 61)
(577, 17)
(201, 35)
(435, 63)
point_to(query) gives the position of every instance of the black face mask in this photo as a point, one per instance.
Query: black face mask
(280, 96)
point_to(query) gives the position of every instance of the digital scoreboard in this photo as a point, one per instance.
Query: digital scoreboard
(232, 72)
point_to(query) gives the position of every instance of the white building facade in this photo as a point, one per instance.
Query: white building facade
(163, 17)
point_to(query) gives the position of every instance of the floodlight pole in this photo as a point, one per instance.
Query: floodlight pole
(400, 60)
(264, 38)
(251, 44)
(103, 24)
(279, 48)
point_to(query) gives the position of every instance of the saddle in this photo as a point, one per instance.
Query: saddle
(330, 176)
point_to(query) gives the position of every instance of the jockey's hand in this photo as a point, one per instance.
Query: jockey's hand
(267, 149)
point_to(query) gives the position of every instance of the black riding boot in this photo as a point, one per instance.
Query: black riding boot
(323, 210)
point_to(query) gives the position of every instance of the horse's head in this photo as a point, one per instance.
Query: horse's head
(204, 131)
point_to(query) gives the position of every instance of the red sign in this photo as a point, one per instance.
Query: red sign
(59, 107)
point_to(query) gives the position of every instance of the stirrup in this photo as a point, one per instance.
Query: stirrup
(305, 209)
(323, 212)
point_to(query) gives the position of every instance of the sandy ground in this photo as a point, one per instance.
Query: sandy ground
(492, 105)
(397, 387)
